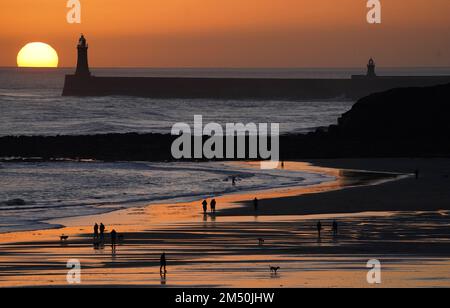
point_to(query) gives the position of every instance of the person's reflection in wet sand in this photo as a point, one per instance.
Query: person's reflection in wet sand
(163, 279)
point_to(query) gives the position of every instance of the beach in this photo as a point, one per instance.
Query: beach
(139, 145)
(383, 213)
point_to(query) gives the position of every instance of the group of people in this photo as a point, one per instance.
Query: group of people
(99, 235)
(212, 205)
(334, 228)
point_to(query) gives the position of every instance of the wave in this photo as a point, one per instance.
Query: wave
(43, 191)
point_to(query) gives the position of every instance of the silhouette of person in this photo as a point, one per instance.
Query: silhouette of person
(102, 231)
(319, 228)
(255, 204)
(96, 231)
(282, 165)
(233, 181)
(113, 239)
(163, 264)
(213, 205)
(205, 206)
(417, 173)
(335, 227)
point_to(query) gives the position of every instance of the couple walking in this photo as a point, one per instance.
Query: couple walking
(334, 228)
(102, 231)
(212, 204)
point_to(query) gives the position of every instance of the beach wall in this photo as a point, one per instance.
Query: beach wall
(241, 88)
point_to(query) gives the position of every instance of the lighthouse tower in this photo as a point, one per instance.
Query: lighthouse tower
(371, 69)
(82, 63)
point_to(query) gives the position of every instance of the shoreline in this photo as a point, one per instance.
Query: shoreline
(230, 201)
(220, 246)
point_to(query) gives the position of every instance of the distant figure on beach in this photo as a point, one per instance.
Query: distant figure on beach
(417, 173)
(282, 165)
(335, 227)
(102, 231)
(260, 241)
(96, 231)
(233, 181)
(319, 228)
(213, 205)
(113, 239)
(163, 264)
(255, 204)
(205, 206)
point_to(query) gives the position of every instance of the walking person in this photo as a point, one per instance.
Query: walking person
(205, 206)
(96, 231)
(113, 239)
(319, 228)
(255, 204)
(335, 228)
(102, 231)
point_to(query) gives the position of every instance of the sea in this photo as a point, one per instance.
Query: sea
(31, 104)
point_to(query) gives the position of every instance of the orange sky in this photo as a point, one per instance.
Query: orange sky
(233, 33)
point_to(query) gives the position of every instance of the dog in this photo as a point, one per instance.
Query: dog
(63, 238)
(261, 241)
(274, 269)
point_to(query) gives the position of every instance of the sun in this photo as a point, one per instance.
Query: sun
(37, 54)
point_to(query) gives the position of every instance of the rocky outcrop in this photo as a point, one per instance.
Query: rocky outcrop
(409, 113)
(398, 122)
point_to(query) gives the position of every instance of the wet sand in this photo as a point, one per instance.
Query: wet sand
(409, 232)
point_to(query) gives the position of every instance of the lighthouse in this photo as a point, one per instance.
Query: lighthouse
(371, 69)
(82, 62)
